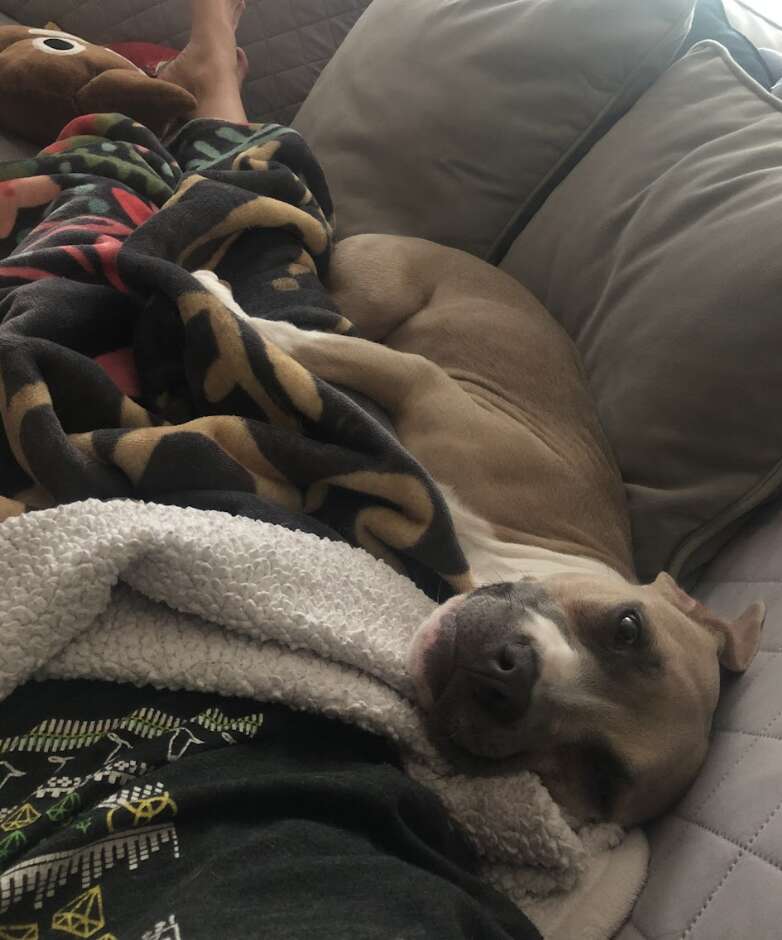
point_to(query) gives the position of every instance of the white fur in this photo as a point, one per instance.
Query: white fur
(221, 291)
(492, 560)
(559, 661)
(284, 335)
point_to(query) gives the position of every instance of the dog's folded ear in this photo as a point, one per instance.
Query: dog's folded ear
(738, 639)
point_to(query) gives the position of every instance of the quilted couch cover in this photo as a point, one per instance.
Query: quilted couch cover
(716, 870)
(287, 41)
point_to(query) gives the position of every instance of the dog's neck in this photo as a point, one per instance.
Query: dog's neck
(492, 559)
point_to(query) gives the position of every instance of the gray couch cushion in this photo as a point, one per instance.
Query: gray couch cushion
(660, 255)
(287, 41)
(452, 119)
(716, 869)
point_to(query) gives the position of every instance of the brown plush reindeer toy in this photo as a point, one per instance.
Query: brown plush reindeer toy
(48, 78)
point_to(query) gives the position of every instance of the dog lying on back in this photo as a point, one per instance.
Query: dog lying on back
(603, 686)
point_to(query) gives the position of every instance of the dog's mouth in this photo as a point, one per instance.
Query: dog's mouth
(475, 673)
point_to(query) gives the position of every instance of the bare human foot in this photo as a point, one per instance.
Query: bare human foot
(211, 66)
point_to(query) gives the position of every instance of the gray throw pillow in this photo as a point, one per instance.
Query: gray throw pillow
(453, 119)
(661, 254)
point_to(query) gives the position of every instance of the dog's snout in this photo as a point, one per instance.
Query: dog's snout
(503, 680)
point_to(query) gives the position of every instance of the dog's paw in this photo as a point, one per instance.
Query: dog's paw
(221, 290)
(285, 336)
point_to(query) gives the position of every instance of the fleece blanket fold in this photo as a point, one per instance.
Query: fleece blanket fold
(121, 375)
(191, 599)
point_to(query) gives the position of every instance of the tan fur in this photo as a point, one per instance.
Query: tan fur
(508, 423)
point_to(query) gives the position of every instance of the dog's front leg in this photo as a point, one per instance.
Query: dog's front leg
(386, 376)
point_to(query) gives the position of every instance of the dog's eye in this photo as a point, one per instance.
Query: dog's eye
(628, 630)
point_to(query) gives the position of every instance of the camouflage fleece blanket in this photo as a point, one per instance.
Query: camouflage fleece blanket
(121, 376)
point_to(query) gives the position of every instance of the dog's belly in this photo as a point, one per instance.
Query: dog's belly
(523, 449)
(520, 355)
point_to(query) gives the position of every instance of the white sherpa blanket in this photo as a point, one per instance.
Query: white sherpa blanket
(182, 598)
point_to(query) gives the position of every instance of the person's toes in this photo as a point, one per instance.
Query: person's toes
(239, 8)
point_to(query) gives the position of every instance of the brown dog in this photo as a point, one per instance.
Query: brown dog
(603, 686)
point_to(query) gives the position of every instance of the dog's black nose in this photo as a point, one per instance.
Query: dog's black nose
(503, 679)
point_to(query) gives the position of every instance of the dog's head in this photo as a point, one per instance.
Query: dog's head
(605, 688)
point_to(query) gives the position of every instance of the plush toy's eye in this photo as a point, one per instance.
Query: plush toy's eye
(58, 45)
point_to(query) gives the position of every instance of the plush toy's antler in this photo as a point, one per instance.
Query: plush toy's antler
(11, 34)
(151, 101)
